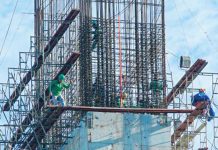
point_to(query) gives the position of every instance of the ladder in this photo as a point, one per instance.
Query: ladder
(187, 138)
(215, 120)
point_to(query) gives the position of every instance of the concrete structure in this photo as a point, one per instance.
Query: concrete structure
(116, 131)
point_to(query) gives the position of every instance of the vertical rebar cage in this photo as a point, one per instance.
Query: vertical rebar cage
(122, 59)
(122, 64)
(122, 52)
(50, 16)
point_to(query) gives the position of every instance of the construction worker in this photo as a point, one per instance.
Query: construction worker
(55, 89)
(124, 102)
(156, 86)
(202, 97)
(96, 33)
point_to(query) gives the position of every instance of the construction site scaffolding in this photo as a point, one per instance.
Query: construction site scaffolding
(121, 49)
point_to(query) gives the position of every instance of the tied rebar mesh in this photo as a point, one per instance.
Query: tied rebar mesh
(122, 63)
(133, 44)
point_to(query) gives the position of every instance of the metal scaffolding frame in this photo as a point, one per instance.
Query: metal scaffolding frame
(53, 50)
(122, 51)
(121, 45)
(97, 75)
(194, 126)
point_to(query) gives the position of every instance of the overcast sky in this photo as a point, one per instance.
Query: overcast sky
(191, 30)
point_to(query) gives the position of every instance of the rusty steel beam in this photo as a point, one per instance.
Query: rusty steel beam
(186, 80)
(46, 126)
(183, 83)
(186, 139)
(37, 65)
(55, 112)
(51, 116)
(39, 132)
(121, 110)
(40, 103)
(189, 120)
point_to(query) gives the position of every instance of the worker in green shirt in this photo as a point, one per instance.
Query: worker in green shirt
(124, 102)
(96, 33)
(55, 89)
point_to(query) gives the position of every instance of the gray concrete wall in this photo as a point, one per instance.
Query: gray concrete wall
(116, 131)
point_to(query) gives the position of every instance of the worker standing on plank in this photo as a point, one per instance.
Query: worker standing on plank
(124, 100)
(55, 89)
(202, 97)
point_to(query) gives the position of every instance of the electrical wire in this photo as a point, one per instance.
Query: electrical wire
(211, 44)
(120, 62)
(3, 59)
(123, 10)
(14, 35)
(200, 25)
(9, 26)
(181, 24)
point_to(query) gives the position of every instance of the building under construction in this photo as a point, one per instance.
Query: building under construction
(122, 96)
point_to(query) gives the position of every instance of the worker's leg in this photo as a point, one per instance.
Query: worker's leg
(60, 101)
(53, 100)
(205, 108)
(118, 101)
(94, 45)
(50, 100)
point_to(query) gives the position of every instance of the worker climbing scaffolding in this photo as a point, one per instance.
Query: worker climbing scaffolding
(156, 86)
(55, 89)
(202, 97)
(96, 32)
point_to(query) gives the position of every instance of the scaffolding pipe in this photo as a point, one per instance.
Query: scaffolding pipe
(189, 120)
(186, 80)
(37, 65)
(40, 103)
(54, 112)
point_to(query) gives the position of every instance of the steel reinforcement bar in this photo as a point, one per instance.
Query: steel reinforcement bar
(37, 65)
(40, 103)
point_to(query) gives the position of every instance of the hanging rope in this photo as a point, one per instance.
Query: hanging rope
(120, 63)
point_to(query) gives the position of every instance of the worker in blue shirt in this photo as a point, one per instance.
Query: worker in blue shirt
(202, 97)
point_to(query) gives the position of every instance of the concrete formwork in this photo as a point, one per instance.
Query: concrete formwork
(115, 131)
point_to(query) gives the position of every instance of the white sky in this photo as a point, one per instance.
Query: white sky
(191, 28)
(18, 38)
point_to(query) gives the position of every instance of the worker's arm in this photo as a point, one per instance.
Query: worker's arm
(66, 85)
(193, 100)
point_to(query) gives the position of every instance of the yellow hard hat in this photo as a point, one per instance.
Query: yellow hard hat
(124, 95)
